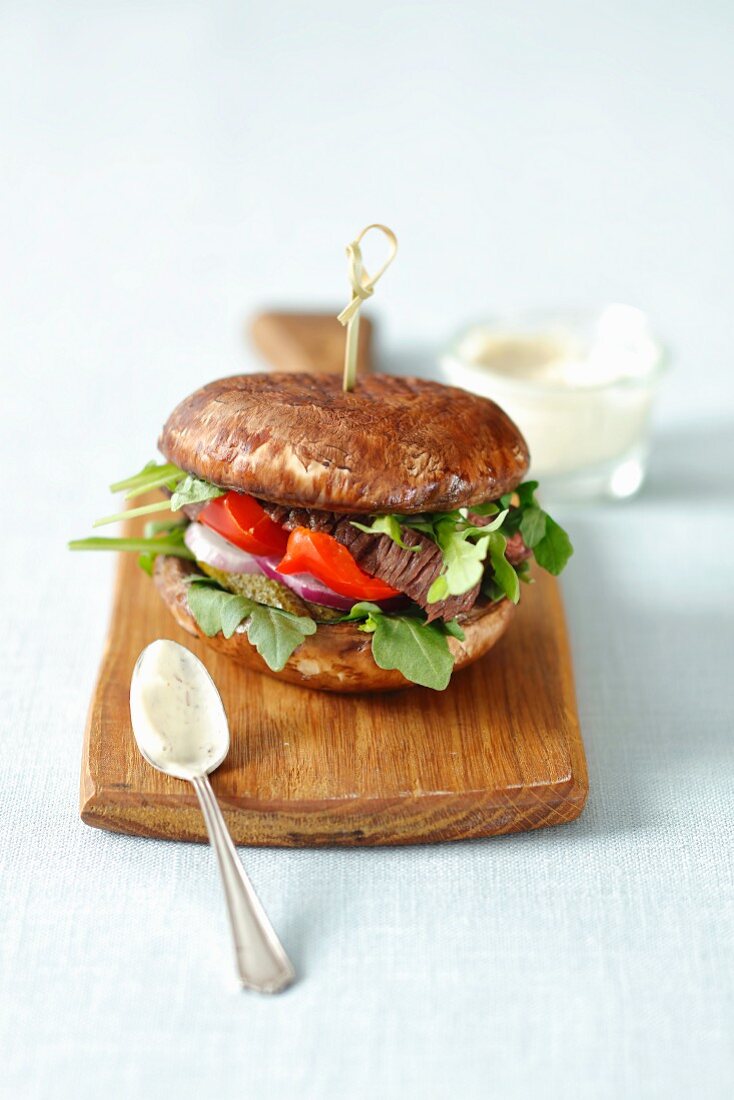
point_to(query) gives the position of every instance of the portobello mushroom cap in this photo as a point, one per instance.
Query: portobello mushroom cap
(403, 445)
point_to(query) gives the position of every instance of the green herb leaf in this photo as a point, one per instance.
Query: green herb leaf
(385, 525)
(463, 559)
(418, 650)
(479, 532)
(409, 644)
(491, 589)
(526, 493)
(504, 575)
(362, 610)
(532, 525)
(173, 546)
(151, 473)
(216, 610)
(274, 633)
(419, 523)
(554, 549)
(439, 590)
(146, 562)
(145, 510)
(174, 526)
(192, 490)
(452, 627)
(523, 572)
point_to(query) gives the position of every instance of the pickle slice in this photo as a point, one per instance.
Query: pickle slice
(270, 593)
(257, 587)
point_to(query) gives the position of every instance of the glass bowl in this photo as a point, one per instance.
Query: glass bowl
(579, 385)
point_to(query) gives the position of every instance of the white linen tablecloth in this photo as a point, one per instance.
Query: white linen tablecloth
(165, 169)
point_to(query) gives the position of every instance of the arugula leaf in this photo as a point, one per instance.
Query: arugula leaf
(554, 549)
(463, 559)
(491, 508)
(550, 544)
(385, 525)
(173, 526)
(166, 537)
(424, 524)
(216, 610)
(147, 562)
(363, 610)
(523, 572)
(526, 493)
(192, 490)
(532, 525)
(151, 472)
(159, 477)
(480, 532)
(452, 627)
(274, 633)
(439, 589)
(504, 575)
(145, 510)
(418, 650)
(173, 546)
(173, 529)
(491, 589)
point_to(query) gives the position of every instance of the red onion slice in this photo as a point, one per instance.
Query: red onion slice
(307, 587)
(207, 546)
(312, 589)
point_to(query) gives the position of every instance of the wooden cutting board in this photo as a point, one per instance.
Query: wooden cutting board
(499, 751)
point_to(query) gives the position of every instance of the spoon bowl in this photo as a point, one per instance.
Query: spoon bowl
(178, 717)
(181, 728)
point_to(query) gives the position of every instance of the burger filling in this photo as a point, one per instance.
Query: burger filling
(275, 572)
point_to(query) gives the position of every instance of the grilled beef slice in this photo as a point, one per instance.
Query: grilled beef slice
(410, 571)
(516, 551)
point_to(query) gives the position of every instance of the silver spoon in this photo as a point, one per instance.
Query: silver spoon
(181, 728)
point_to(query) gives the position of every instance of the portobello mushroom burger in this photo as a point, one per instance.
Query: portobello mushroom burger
(347, 541)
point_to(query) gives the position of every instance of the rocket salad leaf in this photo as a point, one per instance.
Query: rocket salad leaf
(417, 649)
(554, 549)
(504, 575)
(275, 634)
(532, 526)
(184, 489)
(173, 546)
(385, 525)
(192, 490)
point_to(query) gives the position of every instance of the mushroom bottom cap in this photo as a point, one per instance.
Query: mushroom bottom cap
(338, 657)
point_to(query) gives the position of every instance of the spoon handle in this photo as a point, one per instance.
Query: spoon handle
(261, 961)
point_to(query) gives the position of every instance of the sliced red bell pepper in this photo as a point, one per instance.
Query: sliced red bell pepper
(238, 518)
(323, 557)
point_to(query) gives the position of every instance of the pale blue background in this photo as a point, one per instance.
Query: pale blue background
(165, 169)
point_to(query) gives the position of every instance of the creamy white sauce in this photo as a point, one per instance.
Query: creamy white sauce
(177, 714)
(581, 397)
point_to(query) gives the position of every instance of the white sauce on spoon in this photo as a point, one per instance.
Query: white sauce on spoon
(177, 714)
